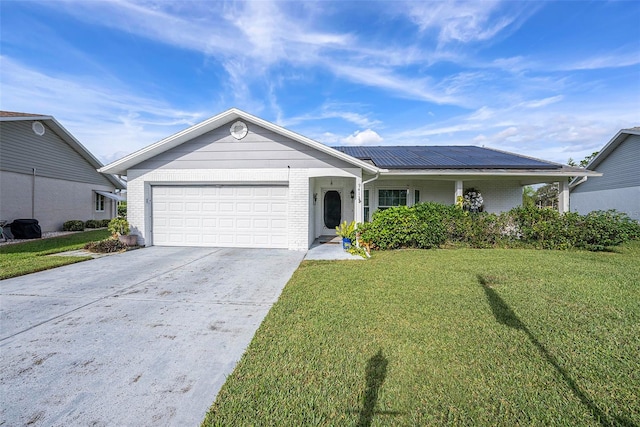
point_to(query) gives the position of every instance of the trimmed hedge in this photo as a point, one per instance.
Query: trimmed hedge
(428, 225)
(73, 225)
(96, 223)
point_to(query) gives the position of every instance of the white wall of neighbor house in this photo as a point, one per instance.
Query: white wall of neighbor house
(56, 200)
(625, 200)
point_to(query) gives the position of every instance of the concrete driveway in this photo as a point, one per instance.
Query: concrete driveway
(146, 337)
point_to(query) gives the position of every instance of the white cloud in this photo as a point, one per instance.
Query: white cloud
(466, 21)
(331, 110)
(420, 88)
(365, 137)
(537, 103)
(105, 119)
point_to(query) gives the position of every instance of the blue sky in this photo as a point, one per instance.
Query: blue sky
(547, 79)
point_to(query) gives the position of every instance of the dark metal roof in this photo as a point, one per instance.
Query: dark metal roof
(444, 157)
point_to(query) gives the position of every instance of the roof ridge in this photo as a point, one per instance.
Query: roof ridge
(4, 113)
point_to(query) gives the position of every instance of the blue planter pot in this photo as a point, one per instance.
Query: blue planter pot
(346, 243)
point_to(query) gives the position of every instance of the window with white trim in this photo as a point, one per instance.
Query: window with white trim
(366, 205)
(390, 198)
(99, 202)
(416, 196)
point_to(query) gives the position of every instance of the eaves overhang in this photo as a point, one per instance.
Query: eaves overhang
(562, 172)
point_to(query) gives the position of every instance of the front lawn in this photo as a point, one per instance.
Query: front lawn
(28, 257)
(453, 337)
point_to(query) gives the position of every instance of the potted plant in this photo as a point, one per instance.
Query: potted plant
(348, 233)
(119, 228)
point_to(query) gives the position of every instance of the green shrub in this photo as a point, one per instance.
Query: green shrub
(119, 227)
(122, 209)
(419, 226)
(73, 225)
(91, 223)
(601, 229)
(97, 223)
(106, 246)
(428, 225)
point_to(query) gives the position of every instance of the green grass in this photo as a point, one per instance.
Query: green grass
(447, 337)
(28, 257)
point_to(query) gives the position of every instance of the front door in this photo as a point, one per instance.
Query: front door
(331, 211)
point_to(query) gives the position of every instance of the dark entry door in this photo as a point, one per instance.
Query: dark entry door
(332, 209)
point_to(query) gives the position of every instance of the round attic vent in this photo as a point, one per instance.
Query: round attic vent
(38, 128)
(239, 130)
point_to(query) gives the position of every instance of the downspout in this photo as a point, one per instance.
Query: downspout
(370, 180)
(33, 194)
(360, 195)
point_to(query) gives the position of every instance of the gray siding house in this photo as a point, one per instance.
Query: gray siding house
(619, 186)
(46, 174)
(236, 180)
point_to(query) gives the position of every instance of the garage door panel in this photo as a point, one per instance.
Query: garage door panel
(230, 216)
(279, 208)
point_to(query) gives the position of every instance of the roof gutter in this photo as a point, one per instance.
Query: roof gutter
(578, 182)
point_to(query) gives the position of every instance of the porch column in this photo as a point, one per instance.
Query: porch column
(459, 188)
(358, 208)
(563, 196)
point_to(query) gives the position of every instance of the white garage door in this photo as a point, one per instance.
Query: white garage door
(225, 216)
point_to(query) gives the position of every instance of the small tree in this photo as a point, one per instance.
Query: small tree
(547, 196)
(528, 196)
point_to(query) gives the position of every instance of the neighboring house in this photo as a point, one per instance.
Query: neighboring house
(236, 180)
(46, 174)
(619, 186)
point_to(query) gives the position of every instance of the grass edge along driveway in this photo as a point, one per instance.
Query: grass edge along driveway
(453, 337)
(28, 257)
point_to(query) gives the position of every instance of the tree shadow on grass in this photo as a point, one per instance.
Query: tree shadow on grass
(375, 373)
(506, 316)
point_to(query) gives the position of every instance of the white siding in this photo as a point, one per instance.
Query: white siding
(620, 169)
(622, 199)
(261, 149)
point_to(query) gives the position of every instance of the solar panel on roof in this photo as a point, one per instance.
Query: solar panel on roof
(442, 157)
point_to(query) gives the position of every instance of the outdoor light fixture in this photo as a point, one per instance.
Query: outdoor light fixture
(315, 198)
(353, 194)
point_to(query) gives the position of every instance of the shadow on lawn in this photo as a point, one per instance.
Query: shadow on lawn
(375, 373)
(505, 315)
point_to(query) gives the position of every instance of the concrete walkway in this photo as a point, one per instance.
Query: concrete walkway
(330, 250)
(141, 338)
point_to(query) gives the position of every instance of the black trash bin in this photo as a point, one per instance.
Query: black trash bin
(26, 229)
